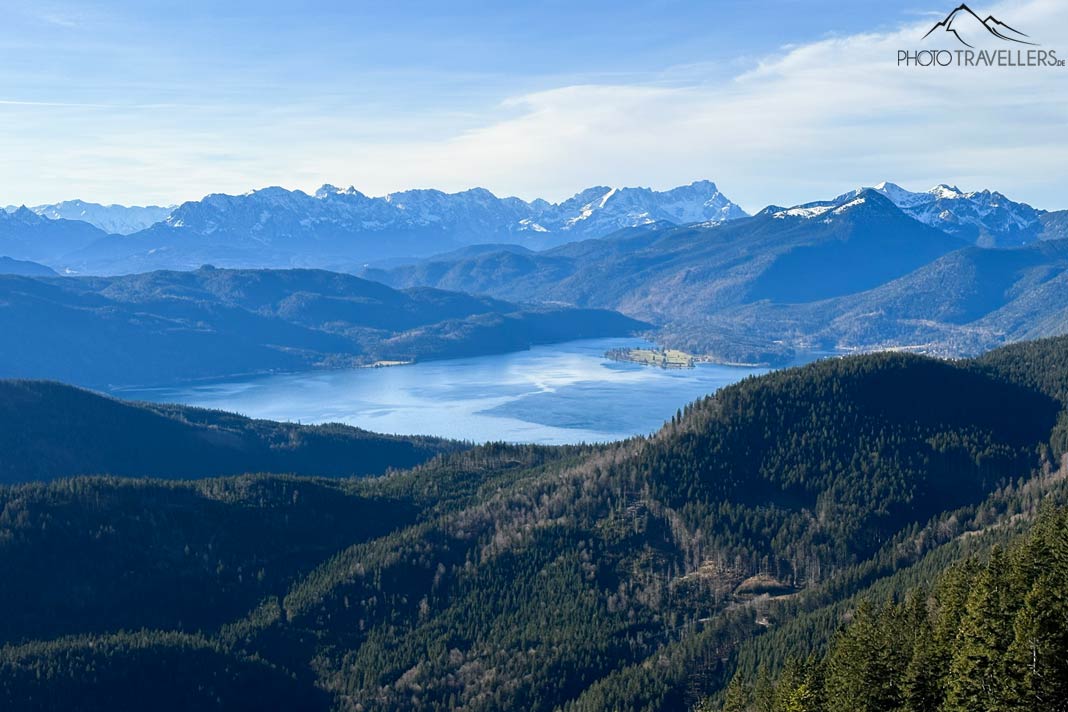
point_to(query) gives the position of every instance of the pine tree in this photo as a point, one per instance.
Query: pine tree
(979, 670)
(736, 697)
(924, 676)
(1039, 650)
(865, 670)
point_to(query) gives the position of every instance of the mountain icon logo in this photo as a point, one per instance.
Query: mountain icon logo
(965, 25)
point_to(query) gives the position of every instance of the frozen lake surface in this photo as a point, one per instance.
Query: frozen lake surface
(555, 394)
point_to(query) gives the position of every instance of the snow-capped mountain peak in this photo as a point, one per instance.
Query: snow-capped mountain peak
(947, 192)
(985, 217)
(116, 219)
(898, 195)
(828, 208)
(605, 209)
(328, 190)
(593, 212)
(342, 226)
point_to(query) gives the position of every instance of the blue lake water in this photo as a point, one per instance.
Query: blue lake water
(556, 394)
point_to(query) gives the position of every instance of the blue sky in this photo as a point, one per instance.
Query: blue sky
(166, 101)
(139, 52)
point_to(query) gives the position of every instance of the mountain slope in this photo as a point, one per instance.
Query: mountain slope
(1055, 225)
(987, 218)
(854, 273)
(988, 633)
(682, 276)
(24, 268)
(24, 235)
(162, 327)
(49, 431)
(545, 578)
(167, 672)
(962, 303)
(113, 219)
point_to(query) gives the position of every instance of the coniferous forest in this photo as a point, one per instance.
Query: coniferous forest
(990, 633)
(879, 532)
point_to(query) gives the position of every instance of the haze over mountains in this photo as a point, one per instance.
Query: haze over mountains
(836, 274)
(343, 228)
(855, 272)
(115, 219)
(163, 327)
(25, 268)
(25, 235)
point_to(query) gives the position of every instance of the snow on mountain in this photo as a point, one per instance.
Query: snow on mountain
(345, 229)
(807, 211)
(274, 214)
(600, 210)
(25, 235)
(985, 217)
(838, 206)
(116, 219)
(472, 216)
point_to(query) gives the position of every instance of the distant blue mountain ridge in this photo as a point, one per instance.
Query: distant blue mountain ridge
(344, 229)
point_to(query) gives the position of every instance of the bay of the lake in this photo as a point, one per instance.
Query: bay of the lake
(554, 394)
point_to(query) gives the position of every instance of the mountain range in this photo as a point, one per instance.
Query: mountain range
(962, 303)
(855, 272)
(343, 228)
(840, 274)
(987, 218)
(114, 219)
(25, 235)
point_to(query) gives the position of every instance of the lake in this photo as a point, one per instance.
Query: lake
(555, 394)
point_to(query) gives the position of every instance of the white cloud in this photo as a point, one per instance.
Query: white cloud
(806, 123)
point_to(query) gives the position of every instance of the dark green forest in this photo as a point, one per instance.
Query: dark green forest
(50, 430)
(872, 532)
(991, 633)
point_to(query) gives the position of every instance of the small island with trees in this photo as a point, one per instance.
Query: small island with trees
(663, 358)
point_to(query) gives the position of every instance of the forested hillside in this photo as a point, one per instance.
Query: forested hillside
(50, 430)
(664, 273)
(856, 273)
(636, 576)
(163, 327)
(990, 633)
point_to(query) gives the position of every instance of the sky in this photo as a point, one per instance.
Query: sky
(777, 102)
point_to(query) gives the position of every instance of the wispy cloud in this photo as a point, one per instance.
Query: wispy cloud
(805, 122)
(57, 14)
(58, 19)
(79, 105)
(812, 120)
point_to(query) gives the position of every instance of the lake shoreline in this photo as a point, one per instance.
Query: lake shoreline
(564, 393)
